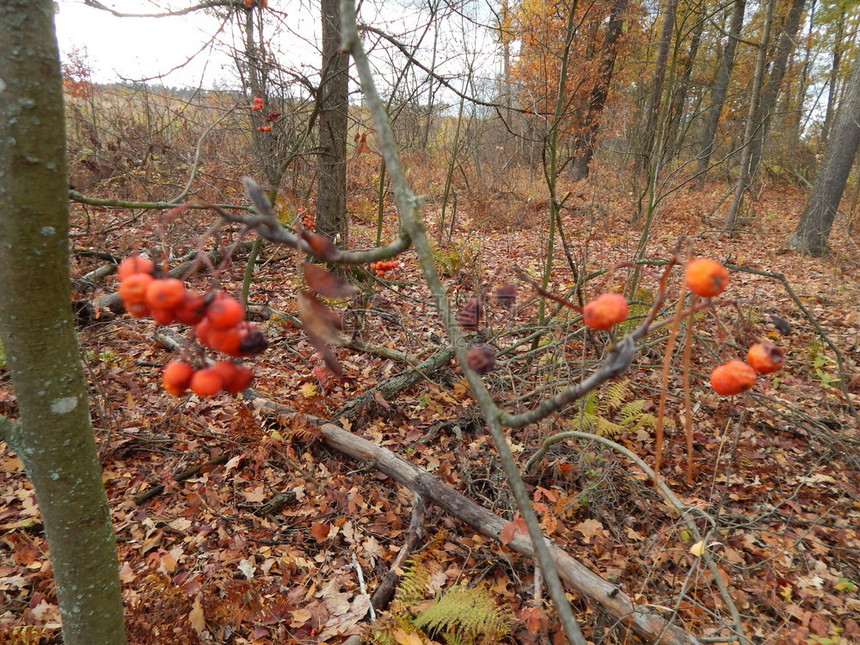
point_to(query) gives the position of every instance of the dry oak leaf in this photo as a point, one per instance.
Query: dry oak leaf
(327, 283)
(589, 528)
(196, 616)
(321, 327)
(404, 638)
(320, 531)
(510, 530)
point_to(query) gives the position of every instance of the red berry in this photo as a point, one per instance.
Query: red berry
(705, 277)
(765, 357)
(506, 295)
(225, 312)
(202, 330)
(162, 316)
(605, 311)
(732, 377)
(469, 316)
(236, 377)
(137, 309)
(177, 377)
(224, 340)
(134, 265)
(166, 293)
(251, 340)
(192, 309)
(206, 382)
(133, 289)
(481, 358)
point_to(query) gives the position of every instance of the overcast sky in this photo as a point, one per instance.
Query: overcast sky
(133, 49)
(142, 48)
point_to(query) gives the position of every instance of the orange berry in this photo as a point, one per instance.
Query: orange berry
(605, 311)
(225, 312)
(133, 289)
(765, 357)
(225, 340)
(162, 316)
(206, 382)
(192, 309)
(706, 277)
(134, 265)
(243, 378)
(732, 377)
(166, 293)
(176, 377)
(226, 370)
(236, 377)
(202, 331)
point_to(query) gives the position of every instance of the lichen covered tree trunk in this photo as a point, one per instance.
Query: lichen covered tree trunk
(813, 230)
(54, 438)
(333, 123)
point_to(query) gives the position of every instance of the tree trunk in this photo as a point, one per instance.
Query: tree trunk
(813, 230)
(720, 87)
(652, 110)
(674, 131)
(774, 81)
(333, 124)
(834, 78)
(585, 144)
(54, 438)
(744, 172)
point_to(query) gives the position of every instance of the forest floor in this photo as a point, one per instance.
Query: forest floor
(211, 559)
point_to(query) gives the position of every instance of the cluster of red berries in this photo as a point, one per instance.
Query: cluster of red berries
(264, 128)
(218, 318)
(383, 266)
(258, 104)
(273, 116)
(308, 221)
(178, 377)
(734, 377)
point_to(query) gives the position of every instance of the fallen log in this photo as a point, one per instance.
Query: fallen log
(645, 624)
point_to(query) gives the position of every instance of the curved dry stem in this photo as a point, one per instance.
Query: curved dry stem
(672, 500)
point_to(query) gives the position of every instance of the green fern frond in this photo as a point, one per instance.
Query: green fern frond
(606, 428)
(629, 412)
(616, 393)
(589, 404)
(414, 584)
(464, 616)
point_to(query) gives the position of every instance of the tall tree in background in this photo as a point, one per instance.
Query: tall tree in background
(588, 56)
(587, 137)
(676, 117)
(769, 94)
(720, 87)
(651, 115)
(333, 125)
(744, 173)
(54, 437)
(813, 230)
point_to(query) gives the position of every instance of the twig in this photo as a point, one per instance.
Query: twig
(840, 362)
(414, 534)
(361, 586)
(188, 473)
(672, 500)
